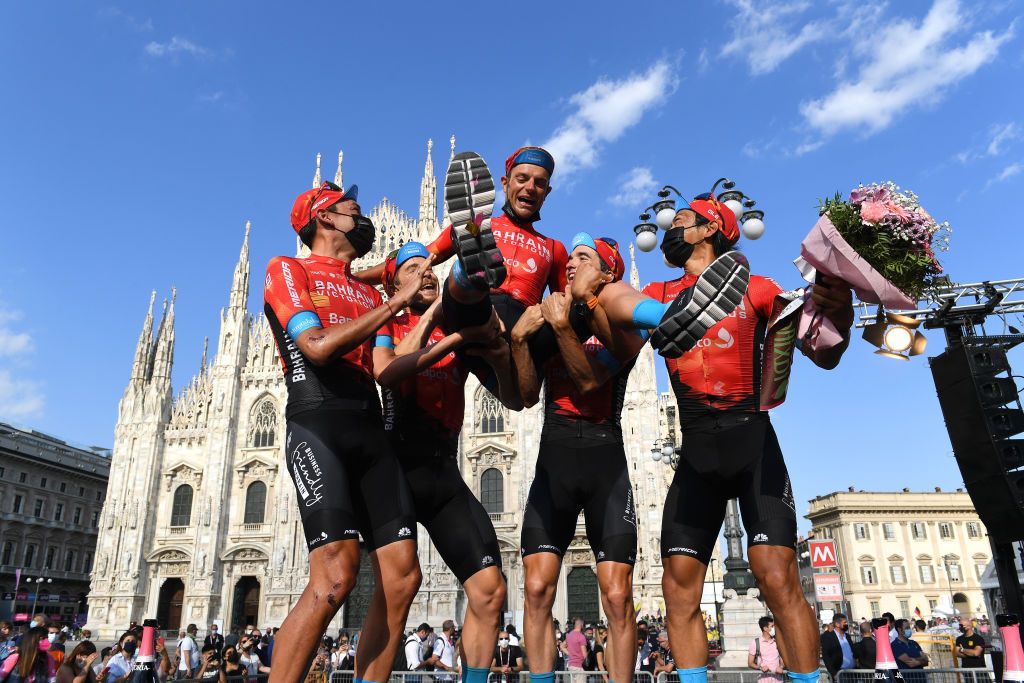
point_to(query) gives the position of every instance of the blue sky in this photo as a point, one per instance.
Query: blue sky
(138, 139)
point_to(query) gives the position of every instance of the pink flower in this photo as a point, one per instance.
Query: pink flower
(873, 212)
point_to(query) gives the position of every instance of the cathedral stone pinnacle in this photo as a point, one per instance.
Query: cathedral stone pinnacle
(337, 174)
(316, 177)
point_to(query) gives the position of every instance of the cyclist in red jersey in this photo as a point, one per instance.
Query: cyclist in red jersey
(729, 447)
(423, 391)
(347, 479)
(581, 465)
(504, 265)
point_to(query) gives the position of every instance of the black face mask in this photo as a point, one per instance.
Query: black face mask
(129, 648)
(362, 235)
(675, 247)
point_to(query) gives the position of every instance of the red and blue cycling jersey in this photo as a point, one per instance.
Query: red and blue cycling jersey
(532, 260)
(432, 402)
(319, 291)
(723, 371)
(565, 404)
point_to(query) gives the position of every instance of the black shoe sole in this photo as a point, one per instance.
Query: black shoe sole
(715, 294)
(469, 200)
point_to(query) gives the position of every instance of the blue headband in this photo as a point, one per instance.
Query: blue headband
(535, 156)
(585, 239)
(410, 250)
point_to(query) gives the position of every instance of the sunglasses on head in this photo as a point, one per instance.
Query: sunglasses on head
(324, 187)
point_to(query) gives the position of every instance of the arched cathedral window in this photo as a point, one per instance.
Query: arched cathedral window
(492, 491)
(181, 506)
(263, 424)
(490, 413)
(255, 502)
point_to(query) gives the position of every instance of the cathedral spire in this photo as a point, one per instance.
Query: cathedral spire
(634, 274)
(142, 348)
(337, 174)
(240, 281)
(428, 195)
(206, 348)
(163, 355)
(316, 177)
(444, 213)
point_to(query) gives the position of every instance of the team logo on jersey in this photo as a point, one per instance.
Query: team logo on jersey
(725, 340)
(760, 538)
(530, 266)
(404, 532)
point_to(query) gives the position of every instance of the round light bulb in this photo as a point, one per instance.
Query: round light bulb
(665, 217)
(646, 241)
(736, 207)
(667, 459)
(898, 338)
(655, 455)
(667, 451)
(753, 228)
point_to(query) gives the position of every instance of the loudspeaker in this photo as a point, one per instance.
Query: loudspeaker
(974, 401)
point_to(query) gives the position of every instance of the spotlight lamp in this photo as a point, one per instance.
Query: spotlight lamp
(895, 335)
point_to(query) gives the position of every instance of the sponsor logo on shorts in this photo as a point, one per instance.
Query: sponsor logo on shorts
(681, 549)
(630, 513)
(351, 531)
(307, 474)
(487, 561)
(600, 555)
(404, 532)
(545, 546)
(319, 539)
(787, 496)
(759, 538)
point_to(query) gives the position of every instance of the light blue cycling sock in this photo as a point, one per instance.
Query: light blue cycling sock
(549, 677)
(475, 675)
(697, 674)
(803, 678)
(647, 314)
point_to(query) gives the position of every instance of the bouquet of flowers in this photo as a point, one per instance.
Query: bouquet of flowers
(881, 242)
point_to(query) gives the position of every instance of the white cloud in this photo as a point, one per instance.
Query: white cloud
(603, 112)
(1007, 173)
(19, 397)
(635, 187)
(766, 34)
(1002, 135)
(176, 46)
(905, 64)
(140, 25)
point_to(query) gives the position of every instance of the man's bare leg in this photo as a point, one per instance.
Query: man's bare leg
(397, 573)
(332, 575)
(775, 569)
(616, 582)
(485, 593)
(683, 584)
(541, 571)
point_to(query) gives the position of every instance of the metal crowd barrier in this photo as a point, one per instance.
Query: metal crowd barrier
(346, 676)
(926, 675)
(738, 676)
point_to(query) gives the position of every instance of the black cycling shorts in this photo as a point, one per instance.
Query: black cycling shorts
(347, 479)
(456, 521)
(734, 456)
(585, 474)
(542, 345)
